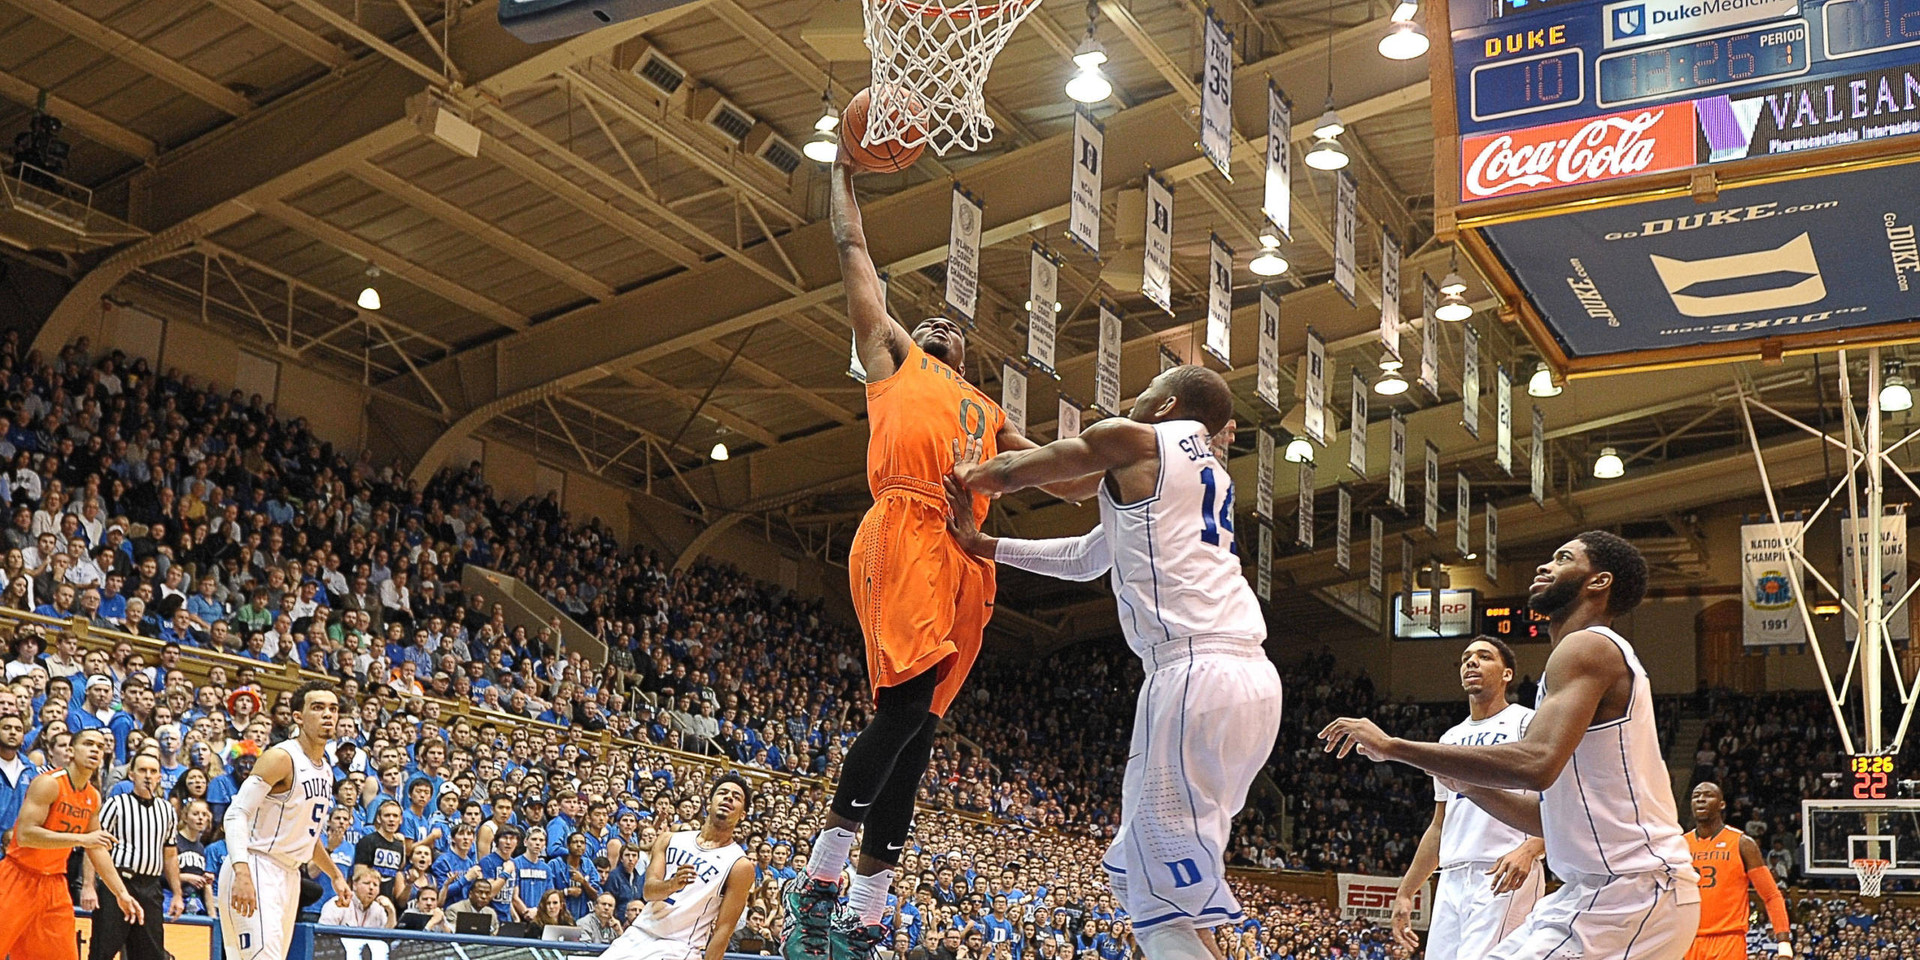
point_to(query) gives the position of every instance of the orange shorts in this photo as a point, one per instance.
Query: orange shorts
(1719, 946)
(923, 602)
(38, 921)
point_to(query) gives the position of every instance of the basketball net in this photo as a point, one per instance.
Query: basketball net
(1870, 871)
(930, 63)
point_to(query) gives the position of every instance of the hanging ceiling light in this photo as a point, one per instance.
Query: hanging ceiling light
(1326, 152)
(1609, 465)
(1269, 263)
(1541, 383)
(1089, 83)
(1029, 306)
(369, 297)
(719, 451)
(1405, 40)
(1453, 284)
(1453, 308)
(1391, 383)
(1895, 396)
(1299, 450)
(824, 145)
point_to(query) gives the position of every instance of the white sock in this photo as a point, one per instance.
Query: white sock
(868, 897)
(830, 850)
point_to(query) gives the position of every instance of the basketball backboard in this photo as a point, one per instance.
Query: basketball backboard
(1834, 833)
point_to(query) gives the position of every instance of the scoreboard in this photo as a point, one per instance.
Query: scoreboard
(1657, 135)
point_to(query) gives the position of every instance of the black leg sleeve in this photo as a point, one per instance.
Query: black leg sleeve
(899, 712)
(892, 815)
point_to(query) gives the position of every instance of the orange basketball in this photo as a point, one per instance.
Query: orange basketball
(885, 157)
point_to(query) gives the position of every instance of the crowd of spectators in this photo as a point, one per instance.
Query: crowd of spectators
(1848, 928)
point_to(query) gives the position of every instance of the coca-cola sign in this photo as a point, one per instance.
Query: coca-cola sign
(1578, 151)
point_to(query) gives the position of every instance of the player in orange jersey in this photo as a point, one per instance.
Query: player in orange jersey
(61, 812)
(1729, 862)
(923, 603)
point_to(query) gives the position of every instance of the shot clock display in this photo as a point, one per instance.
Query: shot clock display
(1872, 777)
(1699, 64)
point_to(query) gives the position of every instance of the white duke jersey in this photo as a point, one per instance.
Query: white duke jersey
(1175, 572)
(1611, 811)
(689, 915)
(1469, 834)
(287, 824)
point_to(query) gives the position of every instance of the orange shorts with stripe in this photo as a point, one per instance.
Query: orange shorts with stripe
(37, 923)
(923, 603)
(1719, 946)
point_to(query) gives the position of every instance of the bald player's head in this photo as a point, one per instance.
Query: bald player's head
(1188, 392)
(1709, 803)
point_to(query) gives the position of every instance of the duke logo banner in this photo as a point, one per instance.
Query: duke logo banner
(1315, 393)
(1470, 379)
(1043, 287)
(1357, 429)
(1277, 203)
(1390, 293)
(1343, 532)
(1304, 536)
(1266, 377)
(1083, 216)
(1216, 98)
(1770, 600)
(1397, 461)
(1346, 219)
(1156, 274)
(1106, 365)
(1013, 396)
(1220, 300)
(963, 255)
(1893, 571)
(1263, 477)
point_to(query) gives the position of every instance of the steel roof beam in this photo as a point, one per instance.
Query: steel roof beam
(122, 47)
(290, 34)
(89, 124)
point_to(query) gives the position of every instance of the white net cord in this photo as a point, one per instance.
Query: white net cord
(1870, 873)
(930, 63)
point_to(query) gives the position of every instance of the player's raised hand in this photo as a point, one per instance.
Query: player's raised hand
(1349, 734)
(1403, 923)
(967, 455)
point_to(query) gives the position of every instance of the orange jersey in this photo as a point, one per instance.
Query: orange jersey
(71, 811)
(915, 417)
(1723, 881)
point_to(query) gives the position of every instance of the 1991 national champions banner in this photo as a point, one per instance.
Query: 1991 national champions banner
(1770, 600)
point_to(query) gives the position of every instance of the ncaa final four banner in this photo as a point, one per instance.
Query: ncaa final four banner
(1397, 462)
(963, 255)
(1083, 214)
(1357, 427)
(1314, 396)
(1769, 600)
(1156, 273)
(1266, 377)
(1220, 300)
(1364, 897)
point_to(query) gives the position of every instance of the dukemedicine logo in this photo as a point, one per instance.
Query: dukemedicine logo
(1641, 21)
(1578, 151)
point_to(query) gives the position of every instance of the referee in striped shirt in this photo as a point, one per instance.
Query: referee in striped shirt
(146, 825)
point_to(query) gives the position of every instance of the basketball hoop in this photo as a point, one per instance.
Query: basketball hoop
(1870, 870)
(930, 63)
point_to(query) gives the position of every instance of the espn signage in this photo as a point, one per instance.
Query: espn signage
(1625, 144)
(1415, 621)
(1364, 897)
(1817, 255)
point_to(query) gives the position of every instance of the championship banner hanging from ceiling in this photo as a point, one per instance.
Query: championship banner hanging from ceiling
(1769, 600)
(1389, 293)
(1277, 203)
(1069, 425)
(1429, 337)
(1376, 555)
(1346, 220)
(1043, 288)
(1266, 377)
(1343, 531)
(1357, 427)
(1431, 516)
(1013, 396)
(1106, 365)
(1315, 393)
(1220, 300)
(1397, 461)
(1263, 570)
(1169, 359)
(1462, 515)
(1470, 379)
(1493, 544)
(1083, 214)
(1156, 273)
(963, 255)
(1263, 477)
(1304, 535)
(1503, 418)
(1538, 466)
(1216, 97)
(1407, 579)
(1893, 575)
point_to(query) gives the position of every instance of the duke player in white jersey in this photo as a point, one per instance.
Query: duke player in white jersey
(1209, 709)
(1606, 804)
(274, 827)
(697, 884)
(1490, 875)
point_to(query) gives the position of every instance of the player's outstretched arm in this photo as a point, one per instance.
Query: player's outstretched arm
(1113, 442)
(1073, 491)
(733, 899)
(877, 337)
(1579, 673)
(1426, 859)
(1761, 879)
(1082, 558)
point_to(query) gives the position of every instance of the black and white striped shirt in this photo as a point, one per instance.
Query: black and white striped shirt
(145, 828)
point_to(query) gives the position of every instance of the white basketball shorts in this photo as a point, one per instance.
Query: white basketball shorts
(1469, 918)
(637, 944)
(267, 934)
(1645, 916)
(1204, 725)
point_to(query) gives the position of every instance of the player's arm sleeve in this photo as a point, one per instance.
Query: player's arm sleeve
(1762, 880)
(1066, 558)
(238, 821)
